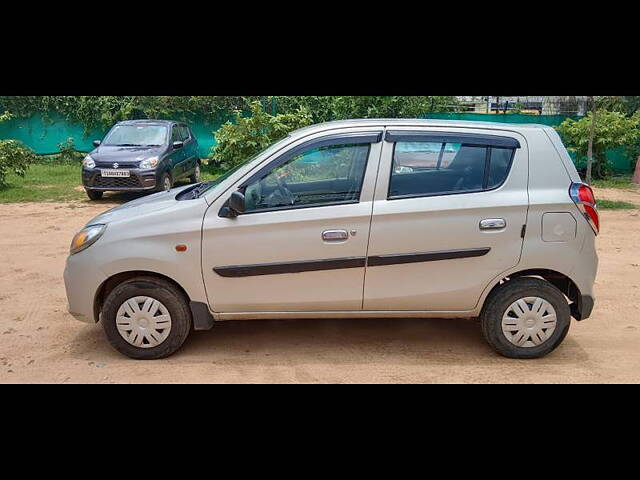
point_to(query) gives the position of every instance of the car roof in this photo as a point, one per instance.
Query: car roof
(149, 122)
(417, 122)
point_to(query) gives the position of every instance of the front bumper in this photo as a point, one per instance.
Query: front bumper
(138, 181)
(82, 281)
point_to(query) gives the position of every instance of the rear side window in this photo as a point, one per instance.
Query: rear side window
(441, 168)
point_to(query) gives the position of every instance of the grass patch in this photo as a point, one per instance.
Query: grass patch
(44, 182)
(616, 182)
(51, 180)
(613, 205)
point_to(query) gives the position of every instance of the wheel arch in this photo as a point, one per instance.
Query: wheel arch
(561, 281)
(113, 281)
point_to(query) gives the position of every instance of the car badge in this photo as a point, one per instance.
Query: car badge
(116, 166)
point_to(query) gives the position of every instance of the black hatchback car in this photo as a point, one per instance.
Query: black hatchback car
(141, 155)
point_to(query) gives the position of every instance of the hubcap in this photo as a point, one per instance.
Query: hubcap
(197, 172)
(529, 322)
(143, 322)
(167, 183)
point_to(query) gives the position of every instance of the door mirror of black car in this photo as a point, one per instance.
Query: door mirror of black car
(178, 145)
(96, 143)
(237, 202)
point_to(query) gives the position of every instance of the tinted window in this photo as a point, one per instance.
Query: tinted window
(176, 135)
(499, 167)
(318, 176)
(185, 133)
(426, 168)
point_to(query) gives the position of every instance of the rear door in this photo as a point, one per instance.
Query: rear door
(301, 244)
(448, 216)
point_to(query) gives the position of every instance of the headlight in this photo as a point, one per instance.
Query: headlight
(86, 237)
(150, 162)
(88, 162)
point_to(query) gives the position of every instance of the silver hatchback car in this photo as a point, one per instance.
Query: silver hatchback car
(359, 218)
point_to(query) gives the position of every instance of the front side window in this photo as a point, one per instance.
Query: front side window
(136, 136)
(438, 168)
(319, 176)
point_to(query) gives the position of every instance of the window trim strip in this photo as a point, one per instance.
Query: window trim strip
(468, 139)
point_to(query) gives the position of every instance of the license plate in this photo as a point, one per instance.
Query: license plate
(115, 173)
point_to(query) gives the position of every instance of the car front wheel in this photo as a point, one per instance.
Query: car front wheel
(94, 195)
(165, 183)
(146, 318)
(195, 178)
(525, 318)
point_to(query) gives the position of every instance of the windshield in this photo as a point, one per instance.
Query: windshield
(136, 136)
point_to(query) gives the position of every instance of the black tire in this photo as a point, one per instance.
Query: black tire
(163, 179)
(170, 296)
(501, 299)
(195, 178)
(94, 194)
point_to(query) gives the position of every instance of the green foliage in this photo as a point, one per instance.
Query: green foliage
(326, 108)
(249, 135)
(612, 130)
(5, 116)
(622, 182)
(68, 152)
(15, 158)
(104, 111)
(615, 205)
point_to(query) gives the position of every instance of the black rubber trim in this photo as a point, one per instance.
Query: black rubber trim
(426, 257)
(290, 267)
(238, 271)
(356, 138)
(583, 309)
(202, 318)
(469, 139)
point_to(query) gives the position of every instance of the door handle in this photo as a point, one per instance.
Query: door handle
(493, 224)
(335, 235)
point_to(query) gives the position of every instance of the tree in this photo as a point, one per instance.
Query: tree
(248, 135)
(610, 130)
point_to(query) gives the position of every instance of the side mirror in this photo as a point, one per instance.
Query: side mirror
(96, 143)
(178, 145)
(237, 202)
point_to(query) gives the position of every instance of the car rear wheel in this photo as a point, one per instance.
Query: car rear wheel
(195, 178)
(146, 318)
(525, 318)
(94, 194)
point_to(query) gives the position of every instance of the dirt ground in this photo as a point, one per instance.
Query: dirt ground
(40, 342)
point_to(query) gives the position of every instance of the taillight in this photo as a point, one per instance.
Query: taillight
(582, 196)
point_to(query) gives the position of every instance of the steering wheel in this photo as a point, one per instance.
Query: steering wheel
(287, 196)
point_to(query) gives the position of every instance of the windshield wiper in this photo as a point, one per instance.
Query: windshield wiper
(200, 189)
(128, 145)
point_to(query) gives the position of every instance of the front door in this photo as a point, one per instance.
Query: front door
(301, 244)
(448, 217)
(177, 155)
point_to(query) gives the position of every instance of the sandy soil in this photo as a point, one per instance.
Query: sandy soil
(41, 342)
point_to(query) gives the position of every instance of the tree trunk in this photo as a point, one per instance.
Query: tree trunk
(592, 134)
(636, 176)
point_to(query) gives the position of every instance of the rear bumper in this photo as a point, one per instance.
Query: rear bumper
(581, 310)
(138, 181)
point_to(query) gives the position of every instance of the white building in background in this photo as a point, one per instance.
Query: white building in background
(542, 105)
